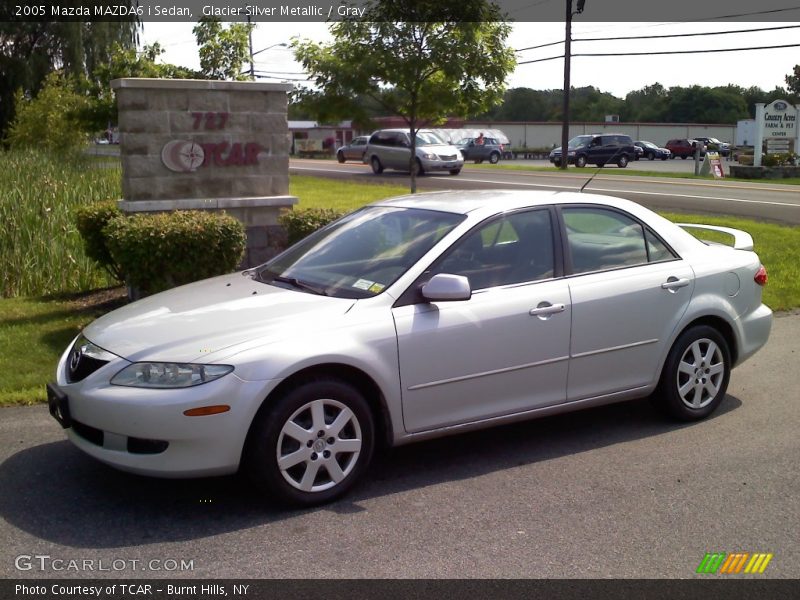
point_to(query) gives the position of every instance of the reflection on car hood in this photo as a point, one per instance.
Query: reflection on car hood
(192, 321)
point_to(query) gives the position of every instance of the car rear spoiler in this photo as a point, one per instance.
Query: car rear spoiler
(741, 239)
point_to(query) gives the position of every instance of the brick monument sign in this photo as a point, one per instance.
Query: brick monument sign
(208, 145)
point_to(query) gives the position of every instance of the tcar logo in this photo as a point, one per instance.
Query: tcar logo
(182, 156)
(74, 360)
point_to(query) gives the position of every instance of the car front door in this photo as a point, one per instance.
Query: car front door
(503, 351)
(628, 291)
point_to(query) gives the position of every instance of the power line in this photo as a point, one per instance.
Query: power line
(526, 62)
(671, 35)
(678, 35)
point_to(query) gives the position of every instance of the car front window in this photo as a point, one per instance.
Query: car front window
(579, 141)
(426, 138)
(361, 254)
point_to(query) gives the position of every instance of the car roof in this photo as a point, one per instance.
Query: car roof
(497, 201)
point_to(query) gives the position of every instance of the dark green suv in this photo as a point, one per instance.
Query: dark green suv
(598, 149)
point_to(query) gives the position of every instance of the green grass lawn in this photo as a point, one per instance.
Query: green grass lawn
(511, 165)
(35, 331)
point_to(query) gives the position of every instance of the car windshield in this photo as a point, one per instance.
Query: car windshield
(579, 141)
(361, 254)
(648, 144)
(428, 138)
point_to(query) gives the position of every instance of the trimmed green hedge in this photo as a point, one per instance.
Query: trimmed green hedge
(90, 220)
(164, 250)
(303, 222)
(156, 251)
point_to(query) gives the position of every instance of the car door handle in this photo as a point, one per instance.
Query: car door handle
(673, 283)
(545, 308)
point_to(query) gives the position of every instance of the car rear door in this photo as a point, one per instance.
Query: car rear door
(628, 292)
(503, 351)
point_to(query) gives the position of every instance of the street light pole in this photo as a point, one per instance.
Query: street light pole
(250, 37)
(565, 107)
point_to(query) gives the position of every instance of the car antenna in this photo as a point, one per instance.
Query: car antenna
(610, 160)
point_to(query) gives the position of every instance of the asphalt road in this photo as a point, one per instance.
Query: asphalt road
(764, 201)
(615, 491)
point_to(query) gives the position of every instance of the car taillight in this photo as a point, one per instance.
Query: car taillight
(761, 276)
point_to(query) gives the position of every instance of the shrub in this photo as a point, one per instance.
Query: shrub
(164, 250)
(303, 222)
(779, 159)
(90, 221)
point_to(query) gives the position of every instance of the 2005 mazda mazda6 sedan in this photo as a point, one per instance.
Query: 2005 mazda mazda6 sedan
(409, 319)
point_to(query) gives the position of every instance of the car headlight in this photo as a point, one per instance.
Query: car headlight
(571, 153)
(168, 375)
(428, 156)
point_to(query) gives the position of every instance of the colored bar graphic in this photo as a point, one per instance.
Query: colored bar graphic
(734, 562)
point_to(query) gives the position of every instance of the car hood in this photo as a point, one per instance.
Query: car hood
(189, 322)
(439, 148)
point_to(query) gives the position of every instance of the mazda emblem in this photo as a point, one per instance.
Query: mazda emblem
(74, 360)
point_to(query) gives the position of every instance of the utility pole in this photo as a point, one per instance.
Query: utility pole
(250, 36)
(567, 50)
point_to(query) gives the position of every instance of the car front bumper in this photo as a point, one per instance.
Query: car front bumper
(145, 431)
(442, 165)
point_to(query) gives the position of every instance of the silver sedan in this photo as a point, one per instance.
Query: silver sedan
(409, 319)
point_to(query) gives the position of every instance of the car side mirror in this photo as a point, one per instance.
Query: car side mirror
(446, 287)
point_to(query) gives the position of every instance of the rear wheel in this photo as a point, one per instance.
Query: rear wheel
(312, 445)
(494, 158)
(622, 162)
(340, 156)
(377, 167)
(696, 373)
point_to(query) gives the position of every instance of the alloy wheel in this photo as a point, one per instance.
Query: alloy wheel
(700, 373)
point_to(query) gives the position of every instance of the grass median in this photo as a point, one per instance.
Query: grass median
(34, 331)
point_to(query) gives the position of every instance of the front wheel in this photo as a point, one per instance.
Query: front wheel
(340, 157)
(312, 445)
(418, 170)
(580, 162)
(696, 374)
(377, 167)
(651, 156)
(455, 171)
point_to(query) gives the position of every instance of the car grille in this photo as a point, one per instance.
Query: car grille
(447, 157)
(80, 366)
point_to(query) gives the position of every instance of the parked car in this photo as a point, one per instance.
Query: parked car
(413, 318)
(391, 149)
(598, 149)
(714, 145)
(354, 150)
(490, 149)
(651, 152)
(683, 148)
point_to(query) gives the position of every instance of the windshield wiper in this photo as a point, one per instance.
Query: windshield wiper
(300, 285)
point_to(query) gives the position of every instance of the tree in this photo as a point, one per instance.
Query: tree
(126, 62)
(29, 51)
(223, 50)
(422, 60)
(793, 81)
(52, 120)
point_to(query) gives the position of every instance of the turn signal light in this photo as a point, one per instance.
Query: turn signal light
(204, 411)
(761, 276)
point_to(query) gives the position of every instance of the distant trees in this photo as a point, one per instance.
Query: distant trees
(793, 80)
(223, 49)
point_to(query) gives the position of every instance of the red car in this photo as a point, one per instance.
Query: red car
(683, 148)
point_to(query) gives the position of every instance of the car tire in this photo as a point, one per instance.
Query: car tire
(340, 157)
(291, 452)
(455, 171)
(419, 171)
(695, 375)
(664, 157)
(623, 161)
(683, 157)
(580, 162)
(377, 167)
(651, 156)
(494, 158)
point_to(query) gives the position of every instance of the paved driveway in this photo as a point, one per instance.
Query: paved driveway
(610, 492)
